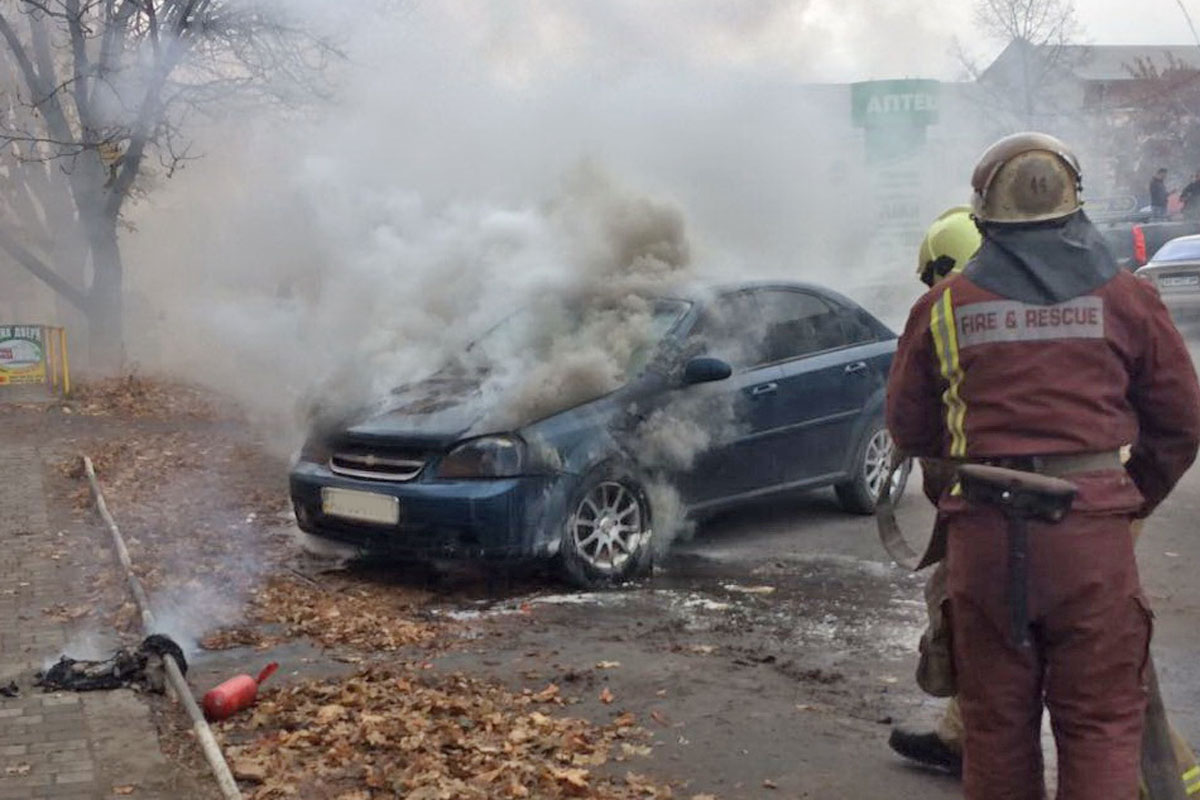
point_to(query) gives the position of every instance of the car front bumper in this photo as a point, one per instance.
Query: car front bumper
(483, 519)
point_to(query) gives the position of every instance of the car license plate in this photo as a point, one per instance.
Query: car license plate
(1179, 281)
(381, 509)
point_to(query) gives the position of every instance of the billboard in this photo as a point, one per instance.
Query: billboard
(22, 354)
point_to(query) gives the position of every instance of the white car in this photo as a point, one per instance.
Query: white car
(1175, 270)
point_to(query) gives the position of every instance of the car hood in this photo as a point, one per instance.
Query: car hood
(432, 413)
(435, 413)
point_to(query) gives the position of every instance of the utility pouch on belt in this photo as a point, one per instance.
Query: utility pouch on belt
(1020, 496)
(935, 667)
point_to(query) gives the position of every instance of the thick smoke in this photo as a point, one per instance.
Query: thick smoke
(567, 159)
(383, 219)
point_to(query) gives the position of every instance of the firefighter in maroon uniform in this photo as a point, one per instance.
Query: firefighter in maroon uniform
(1045, 357)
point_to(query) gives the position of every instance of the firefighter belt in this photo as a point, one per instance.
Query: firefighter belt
(903, 553)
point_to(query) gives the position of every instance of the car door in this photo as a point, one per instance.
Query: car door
(828, 374)
(730, 328)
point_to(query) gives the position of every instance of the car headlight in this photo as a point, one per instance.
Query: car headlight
(485, 457)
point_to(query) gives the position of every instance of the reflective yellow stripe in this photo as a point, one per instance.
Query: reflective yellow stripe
(945, 340)
(1191, 780)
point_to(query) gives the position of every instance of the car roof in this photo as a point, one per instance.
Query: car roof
(701, 291)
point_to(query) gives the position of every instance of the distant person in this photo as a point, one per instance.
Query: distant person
(1190, 197)
(1158, 194)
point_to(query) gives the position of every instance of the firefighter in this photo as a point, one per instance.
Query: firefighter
(948, 245)
(950, 242)
(1043, 356)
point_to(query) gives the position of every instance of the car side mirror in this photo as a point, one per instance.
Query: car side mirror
(705, 370)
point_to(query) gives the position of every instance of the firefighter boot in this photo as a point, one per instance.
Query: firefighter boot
(926, 748)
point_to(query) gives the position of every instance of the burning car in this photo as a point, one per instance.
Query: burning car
(771, 387)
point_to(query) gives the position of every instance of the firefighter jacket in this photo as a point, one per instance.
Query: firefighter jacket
(1042, 346)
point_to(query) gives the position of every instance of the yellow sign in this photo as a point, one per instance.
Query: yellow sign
(22, 354)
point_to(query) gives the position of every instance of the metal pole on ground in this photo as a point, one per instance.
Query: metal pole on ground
(204, 734)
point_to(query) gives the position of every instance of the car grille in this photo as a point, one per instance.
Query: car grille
(378, 467)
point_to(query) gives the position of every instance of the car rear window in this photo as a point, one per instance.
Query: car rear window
(1179, 250)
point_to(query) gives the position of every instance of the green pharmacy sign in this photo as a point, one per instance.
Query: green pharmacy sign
(894, 115)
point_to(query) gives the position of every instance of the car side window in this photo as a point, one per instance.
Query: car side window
(857, 327)
(731, 328)
(799, 323)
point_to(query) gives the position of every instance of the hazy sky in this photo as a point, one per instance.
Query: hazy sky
(821, 40)
(1123, 22)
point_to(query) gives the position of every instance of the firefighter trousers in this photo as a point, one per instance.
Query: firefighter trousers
(1090, 643)
(950, 725)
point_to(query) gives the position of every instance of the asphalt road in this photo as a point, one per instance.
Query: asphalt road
(778, 646)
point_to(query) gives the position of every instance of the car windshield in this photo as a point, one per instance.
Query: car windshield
(1179, 250)
(622, 335)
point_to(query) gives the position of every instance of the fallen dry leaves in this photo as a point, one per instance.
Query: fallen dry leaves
(197, 513)
(237, 636)
(139, 396)
(60, 612)
(197, 520)
(391, 732)
(364, 618)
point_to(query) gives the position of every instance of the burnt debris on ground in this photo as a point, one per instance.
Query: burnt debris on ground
(139, 667)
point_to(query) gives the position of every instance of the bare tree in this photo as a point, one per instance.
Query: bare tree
(96, 93)
(1037, 36)
(1154, 121)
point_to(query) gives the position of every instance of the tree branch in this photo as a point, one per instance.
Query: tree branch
(40, 270)
(81, 66)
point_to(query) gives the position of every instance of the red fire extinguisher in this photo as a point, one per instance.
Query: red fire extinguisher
(235, 694)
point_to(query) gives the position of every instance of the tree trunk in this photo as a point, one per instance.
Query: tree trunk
(105, 303)
(68, 255)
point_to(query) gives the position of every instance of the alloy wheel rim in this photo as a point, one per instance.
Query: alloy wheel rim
(877, 461)
(608, 526)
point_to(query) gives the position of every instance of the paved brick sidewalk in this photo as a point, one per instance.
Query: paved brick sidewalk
(58, 745)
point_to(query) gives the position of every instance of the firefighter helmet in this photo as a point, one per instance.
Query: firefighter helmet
(949, 244)
(1026, 177)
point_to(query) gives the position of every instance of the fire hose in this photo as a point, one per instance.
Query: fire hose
(204, 734)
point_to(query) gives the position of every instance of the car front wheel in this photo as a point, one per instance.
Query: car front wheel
(860, 494)
(606, 539)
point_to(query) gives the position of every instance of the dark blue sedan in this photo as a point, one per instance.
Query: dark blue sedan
(770, 387)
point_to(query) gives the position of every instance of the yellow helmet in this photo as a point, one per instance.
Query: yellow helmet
(949, 244)
(1026, 177)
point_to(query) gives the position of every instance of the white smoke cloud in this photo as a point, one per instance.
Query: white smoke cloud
(359, 246)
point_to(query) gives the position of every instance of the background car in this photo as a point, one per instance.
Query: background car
(799, 369)
(1175, 269)
(1132, 243)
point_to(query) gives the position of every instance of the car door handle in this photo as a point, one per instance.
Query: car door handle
(857, 366)
(764, 388)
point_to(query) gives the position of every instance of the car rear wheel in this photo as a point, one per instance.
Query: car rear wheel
(606, 539)
(860, 494)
